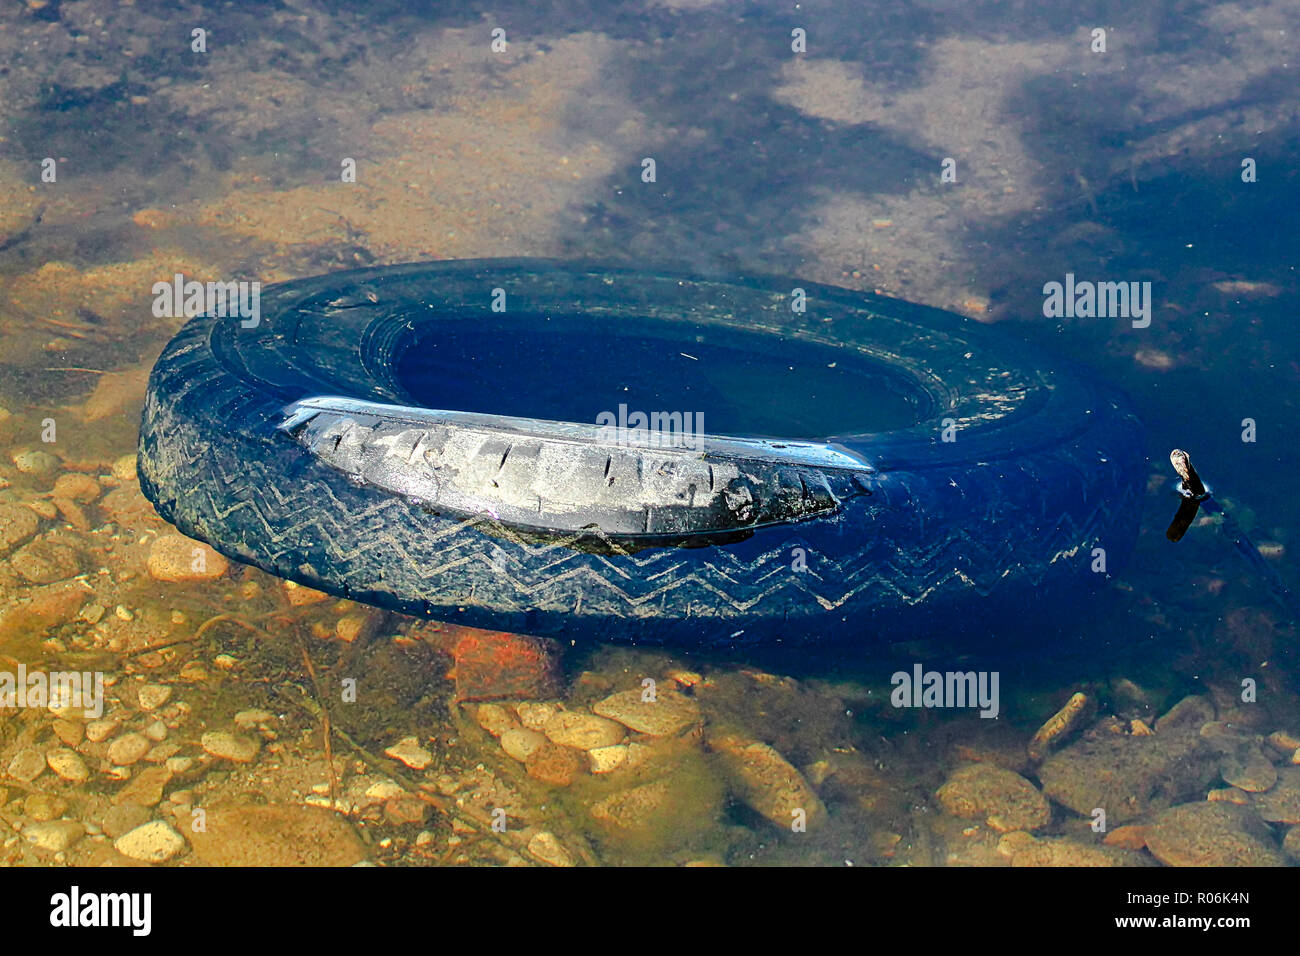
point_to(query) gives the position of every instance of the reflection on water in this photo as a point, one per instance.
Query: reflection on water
(958, 154)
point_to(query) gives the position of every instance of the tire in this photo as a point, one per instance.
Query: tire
(297, 446)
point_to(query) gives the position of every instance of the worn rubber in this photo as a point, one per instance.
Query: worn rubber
(278, 446)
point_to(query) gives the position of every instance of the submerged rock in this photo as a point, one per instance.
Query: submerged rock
(276, 835)
(1212, 834)
(767, 783)
(1281, 804)
(670, 712)
(1006, 800)
(1128, 775)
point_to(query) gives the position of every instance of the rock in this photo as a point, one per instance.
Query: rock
(156, 731)
(26, 765)
(1006, 800)
(54, 836)
(44, 806)
(276, 835)
(44, 562)
(100, 730)
(353, 627)
(545, 847)
(1211, 834)
(669, 713)
(299, 595)
(154, 842)
(494, 718)
(68, 765)
(643, 807)
(556, 765)
(35, 462)
(583, 731)
(1129, 837)
(1248, 769)
(230, 746)
(408, 751)
(1281, 804)
(175, 557)
(124, 468)
(77, 487)
(766, 782)
(128, 749)
(406, 810)
(145, 788)
(153, 696)
(1291, 843)
(521, 743)
(495, 664)
(124, 817)
(1190, 713)
(536, 714)
(1066, 722)
(1025, 849)
(69, 732)
(607, 759)
(1128, 776)
(1229, 795)
(253, 718)
(17, 524)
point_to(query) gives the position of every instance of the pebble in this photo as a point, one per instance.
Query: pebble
(69, 732)
(607, 759)
(1211, 834)
(146, 788)
(669, 713)
(128, 749)
(767, 782)
(157, 731)
(1026, 850)
(408, 751)
(545, 847)
(17, 524)
(249, 719)
(521, 743)
(124, 818)
(124, 468)
(276, 835)
(299, 595)
(1291, 843)
(535, 714)
(640, 809)
(78, 487)
(1005, 800)
(44, 562)
(583, 731)
(98, 731)
(35, 462)
(229, 746)
(44, 806)
(556, 765)
(26, 765)
(1061, 725)
(68, 765)
(54, 836)
(153, 696)
(353, 626)
(1281, 804)
(154, 842)
(175, 557)
(494, 718)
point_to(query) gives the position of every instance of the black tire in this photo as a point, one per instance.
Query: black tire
(866, 535)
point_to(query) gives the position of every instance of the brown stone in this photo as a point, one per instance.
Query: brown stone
(491, 665)
(556, 765)
(276, 835)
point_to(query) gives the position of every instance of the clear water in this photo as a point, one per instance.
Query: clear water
(1124, 165)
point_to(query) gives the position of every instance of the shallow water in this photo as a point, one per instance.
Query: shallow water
(1125, 165)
